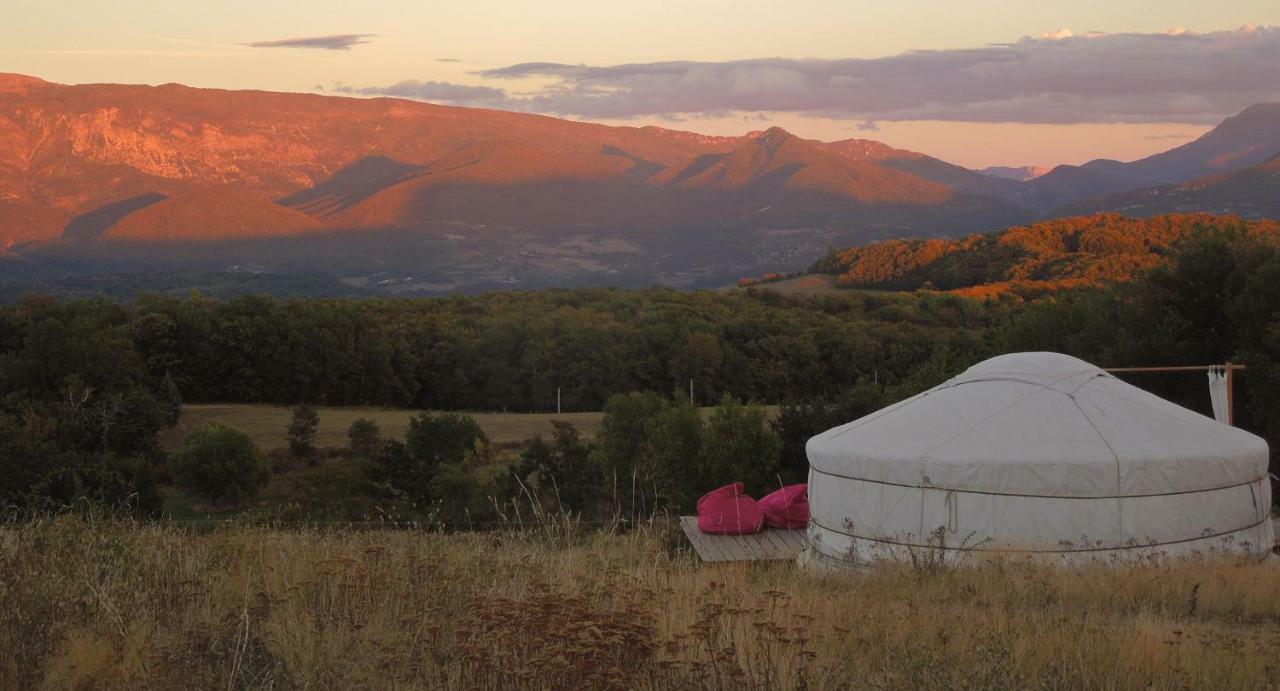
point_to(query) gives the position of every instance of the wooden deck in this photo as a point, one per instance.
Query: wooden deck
(768, 544)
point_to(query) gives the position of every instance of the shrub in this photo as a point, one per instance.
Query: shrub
(797, 422)
(302, 432)
(739, 445)
(221, 463)
(363, 438)
(660, 454)
(433, 442)
(562, 470)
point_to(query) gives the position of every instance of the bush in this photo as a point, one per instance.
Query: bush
(302, 432)
(798, 422)
(562, 470)
(658, 454)
(739, 445)
(630, 475)
(221, 463)
(434, 442)
(363, 438)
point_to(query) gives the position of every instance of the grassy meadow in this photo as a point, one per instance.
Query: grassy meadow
(114, 604)
(805, 284)
(266, 423)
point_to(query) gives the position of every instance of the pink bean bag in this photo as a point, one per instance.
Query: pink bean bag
(727, 511)
(787, 507)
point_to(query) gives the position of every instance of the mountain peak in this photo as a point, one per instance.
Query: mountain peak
(1260, 109)
(870, 150)
(773, 134)
(1249, 120)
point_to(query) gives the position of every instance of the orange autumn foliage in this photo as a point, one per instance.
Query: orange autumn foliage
(1045, 256)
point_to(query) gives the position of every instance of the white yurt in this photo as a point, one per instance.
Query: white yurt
(1036, 453)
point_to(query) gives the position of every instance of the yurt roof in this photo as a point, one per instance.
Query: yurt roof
(1040, 424)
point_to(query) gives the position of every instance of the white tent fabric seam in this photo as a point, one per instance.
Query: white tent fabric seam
(961, 490)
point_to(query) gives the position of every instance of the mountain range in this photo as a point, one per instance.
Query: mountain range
(414, 197)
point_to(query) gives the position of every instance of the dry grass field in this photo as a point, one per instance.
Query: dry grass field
(120, 605)
(807, 284)
(266, 423)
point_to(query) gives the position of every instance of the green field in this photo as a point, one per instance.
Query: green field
(266, 423)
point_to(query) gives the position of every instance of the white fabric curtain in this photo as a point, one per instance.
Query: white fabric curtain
(1218, 394)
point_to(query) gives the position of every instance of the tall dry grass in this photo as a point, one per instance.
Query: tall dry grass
(114, 605)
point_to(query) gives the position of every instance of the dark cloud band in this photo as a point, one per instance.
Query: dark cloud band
(431, 91)
(334, 42)
(1175, 77)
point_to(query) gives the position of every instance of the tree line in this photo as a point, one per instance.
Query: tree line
(503, 351)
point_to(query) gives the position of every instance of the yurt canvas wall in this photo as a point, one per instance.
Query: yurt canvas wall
(1036, 453)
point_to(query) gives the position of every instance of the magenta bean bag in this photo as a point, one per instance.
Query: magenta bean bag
(787, 507)
(727, 511)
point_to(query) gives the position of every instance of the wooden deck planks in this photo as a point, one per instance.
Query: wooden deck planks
(767, 545)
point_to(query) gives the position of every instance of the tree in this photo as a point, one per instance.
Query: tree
(433, 442)
(577, 478)
(221, 463)
(363, 438)
(624, 432)
(536, 463)
(302, 432)
(623, 453)
(435, 439)
(673, 443)
(562, 470)
(172, 398)
(796, 423)
(700, 358)
(739, 446)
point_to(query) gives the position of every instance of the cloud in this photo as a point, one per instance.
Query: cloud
(1058, 78)
(868, 126)
(334, 42)
(448, 60)
(444, 92)
(1170, 135)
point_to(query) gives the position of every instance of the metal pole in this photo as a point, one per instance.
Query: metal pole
(1229, 367)
(1188, 368)
(690, 391)
(1231, 407)
(557, 400)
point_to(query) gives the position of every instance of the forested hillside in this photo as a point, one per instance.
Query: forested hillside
(1045, 256)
